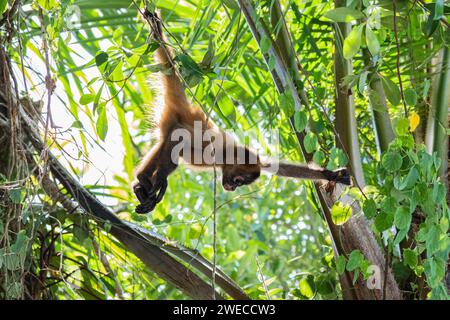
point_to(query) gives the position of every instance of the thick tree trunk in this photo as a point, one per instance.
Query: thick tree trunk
(355, 234)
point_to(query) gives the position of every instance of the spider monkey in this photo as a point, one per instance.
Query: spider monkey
(178, 113)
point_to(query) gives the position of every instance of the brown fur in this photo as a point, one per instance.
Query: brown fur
(177, 112)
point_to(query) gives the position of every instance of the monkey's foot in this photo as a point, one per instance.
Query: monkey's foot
(149, 194)
(339, 175)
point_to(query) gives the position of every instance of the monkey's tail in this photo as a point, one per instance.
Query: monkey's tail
(172, 86)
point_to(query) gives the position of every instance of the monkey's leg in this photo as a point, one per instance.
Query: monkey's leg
(152, 178)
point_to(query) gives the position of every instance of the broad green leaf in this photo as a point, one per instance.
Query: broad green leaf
(401, 126)
(300, 120)
(372, 41)
(48, 4)
(307, 287)
(287, 103)
(3, 4)
(16, 195)
(432, 239)
(392, 161)
(355, 260)
(402, 218)
(337, 159)
(310, 142)
(340, 264)
(340, 213)
(392, 91)
(438, 192)
(370, 208)
(195, 231)
(410, 258)
(435, 270)
(410, 97)
(343, 14)
(101, 58)
(384, 221)
(352, 42)
(319, 157)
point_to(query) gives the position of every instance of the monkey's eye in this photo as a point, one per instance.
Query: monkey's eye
(238, 180)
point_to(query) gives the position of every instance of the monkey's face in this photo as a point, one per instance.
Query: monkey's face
(234, 176)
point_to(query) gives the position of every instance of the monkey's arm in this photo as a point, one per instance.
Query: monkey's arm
(292, 170)
(151, 182)
(152, 176)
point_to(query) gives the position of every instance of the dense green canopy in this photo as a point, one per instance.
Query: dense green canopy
(362, 84)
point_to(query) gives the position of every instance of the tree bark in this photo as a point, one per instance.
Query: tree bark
(355, 233)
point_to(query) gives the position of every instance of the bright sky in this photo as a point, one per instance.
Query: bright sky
(105, 163)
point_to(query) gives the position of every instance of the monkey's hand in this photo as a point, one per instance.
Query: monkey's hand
(149, 190)
(340, 175)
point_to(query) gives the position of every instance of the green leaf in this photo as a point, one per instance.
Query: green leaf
(87, 98)
(11, 261)
(370, 208)
(195, 231)
(411, 178)
(265, 44)
(372, 41)
(300, 120)
(434, 270)
(319, 157)
(340, 264)
(410, 97)
(102, 122)
(3, 4)
(307, 287)
(343, 14)
(362, 81)
(337, 159)
(287, 103)
(231, 4)
(48, 4)
(117, 35)
(352, 42)
(340, 213)
(101, 58)
(438, 9)
(16, 195)
(392, 91)
(355, 260)
(402, 219)
(384, 221)
(432, 239)
(208, 58)
(310, 142)
(438, 192)
(401, 234)
(391, 161)
(401, 126)
(410, 258)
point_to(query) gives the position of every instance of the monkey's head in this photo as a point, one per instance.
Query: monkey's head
(245, 169)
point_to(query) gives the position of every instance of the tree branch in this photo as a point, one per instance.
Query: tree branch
(355, 233)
